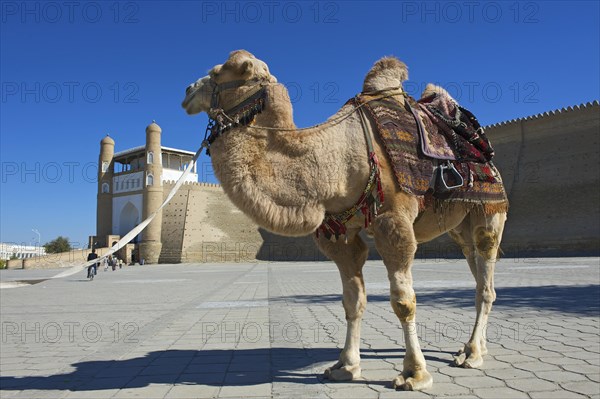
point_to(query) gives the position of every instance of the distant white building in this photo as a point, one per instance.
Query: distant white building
(9, 250)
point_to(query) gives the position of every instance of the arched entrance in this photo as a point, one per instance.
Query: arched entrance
(129, 218)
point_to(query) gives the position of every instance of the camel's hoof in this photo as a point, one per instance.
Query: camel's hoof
(420, 381)
(484, 350)
(468, 359)
(338, 372)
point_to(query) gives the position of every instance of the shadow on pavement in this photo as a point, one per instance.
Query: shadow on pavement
(214, 367)
(582, 300)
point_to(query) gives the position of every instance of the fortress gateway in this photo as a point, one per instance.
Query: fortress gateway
(198, 225)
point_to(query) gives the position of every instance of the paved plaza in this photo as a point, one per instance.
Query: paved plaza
(269, 329)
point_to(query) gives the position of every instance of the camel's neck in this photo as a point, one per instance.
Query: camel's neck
(282, 177)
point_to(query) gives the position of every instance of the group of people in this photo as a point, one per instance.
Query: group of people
(110, 260)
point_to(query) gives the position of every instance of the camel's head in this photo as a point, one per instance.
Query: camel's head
(386, 73)
(432, 89)
(240, 66)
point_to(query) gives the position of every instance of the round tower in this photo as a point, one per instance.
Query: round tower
(151, 243)
(105, 182)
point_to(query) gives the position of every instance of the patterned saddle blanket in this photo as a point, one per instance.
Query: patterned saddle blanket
(448, 131)
(438, 151)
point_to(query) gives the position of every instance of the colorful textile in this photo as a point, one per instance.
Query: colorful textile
(450, 126)
(414, 168)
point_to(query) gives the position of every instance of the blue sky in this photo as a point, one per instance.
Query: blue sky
(71, 72)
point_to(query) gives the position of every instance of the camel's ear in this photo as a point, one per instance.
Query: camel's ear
(214, 73)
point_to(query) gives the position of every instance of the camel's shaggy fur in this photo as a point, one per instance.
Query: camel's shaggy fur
(285, 179)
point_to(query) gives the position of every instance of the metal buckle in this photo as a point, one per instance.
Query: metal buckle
(450, 167)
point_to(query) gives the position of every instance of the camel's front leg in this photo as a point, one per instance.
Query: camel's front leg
(350, 258)
(480, 238)
(395, 240)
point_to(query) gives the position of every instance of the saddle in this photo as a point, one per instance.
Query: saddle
(437, 149)
(449, 132)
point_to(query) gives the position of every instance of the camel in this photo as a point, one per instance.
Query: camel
(286, 179)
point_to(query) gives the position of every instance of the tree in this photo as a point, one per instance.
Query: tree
(59, 244)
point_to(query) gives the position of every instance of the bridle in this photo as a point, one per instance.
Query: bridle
(243, 113)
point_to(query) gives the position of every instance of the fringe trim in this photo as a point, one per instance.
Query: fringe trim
(489, 208)
(428, 201)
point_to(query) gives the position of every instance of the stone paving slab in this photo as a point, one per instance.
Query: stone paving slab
(270, 329)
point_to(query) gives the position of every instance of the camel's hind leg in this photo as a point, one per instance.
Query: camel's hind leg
(396, 242)
(350, 258)
(479, 237)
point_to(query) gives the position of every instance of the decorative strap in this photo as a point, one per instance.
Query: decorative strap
(366, 130)
(242, 114)
(334, 224)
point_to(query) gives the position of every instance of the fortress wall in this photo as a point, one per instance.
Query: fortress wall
(555, 190)
(278, 248)
(202, 225)
(549, 164)
(173, 224)
(216, 231)
(51, 261)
